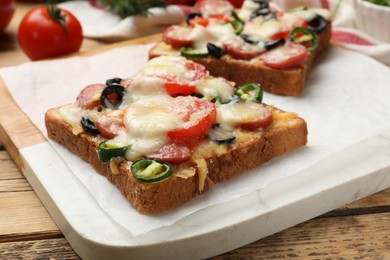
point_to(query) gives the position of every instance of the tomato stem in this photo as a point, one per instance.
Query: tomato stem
(56, 15)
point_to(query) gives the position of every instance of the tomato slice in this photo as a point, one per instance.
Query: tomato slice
(288, 23)
(172, 153)
(240, 49)
(89, 97)
(285, 56)
(199, 20)
(110, 124)
(207, 7)
(183, 84)
(177, 36)
(198, 116)
(175, 89)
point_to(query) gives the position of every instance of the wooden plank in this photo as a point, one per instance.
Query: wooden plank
(360, 237)
(40, 249)
(357, 237)
(23, 213)
(8, 169)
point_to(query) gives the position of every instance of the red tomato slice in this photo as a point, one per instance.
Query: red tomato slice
(110, 124)
(172, 153)
(263, 119)
(182, 84)
(89, 97)
(175, 89)
(286, 56)
(198, 116)
(199, 21)
(239, 49)
(287, 26)
(177, 36)
(207, 7)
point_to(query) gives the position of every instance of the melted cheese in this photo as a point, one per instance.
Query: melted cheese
(233, 114)
(247, 9)
(216, 87)
(147, 122)
(202, 173)
(214, 33)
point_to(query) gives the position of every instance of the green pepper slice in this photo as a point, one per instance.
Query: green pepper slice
(193, 53)
(109, 149)
(305, 35)
(250, 92)
(148, 170)
(296, 9)
(238, 26)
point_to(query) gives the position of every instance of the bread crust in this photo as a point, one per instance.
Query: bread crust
(154, 198)
(288, 82)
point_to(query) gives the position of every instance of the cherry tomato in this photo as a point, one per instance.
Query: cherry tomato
(7, 9)
(110, 124)
(89, 97)
(237, 3)
(288, 25)
(198, 116)
(202, 21)
(208, 7)
(172, 153)
(177, 36)
(239, 49)
(181, 84)
(42, 36)
(285, 56)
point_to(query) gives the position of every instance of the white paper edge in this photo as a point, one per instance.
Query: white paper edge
(352, 173)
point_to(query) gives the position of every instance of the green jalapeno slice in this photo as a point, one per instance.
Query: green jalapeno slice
(303, 35)
(148, 170)
(238, 26)
(193, 53)
(250, 92)
(110, 149)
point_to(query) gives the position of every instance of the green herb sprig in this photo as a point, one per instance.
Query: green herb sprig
(380, 2)
(126, 8)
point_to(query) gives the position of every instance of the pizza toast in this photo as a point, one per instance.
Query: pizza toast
(172, 131)
(254, 44)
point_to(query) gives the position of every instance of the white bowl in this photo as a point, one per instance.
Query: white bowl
(373, 19)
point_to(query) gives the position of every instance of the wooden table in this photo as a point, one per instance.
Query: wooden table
(359, 230)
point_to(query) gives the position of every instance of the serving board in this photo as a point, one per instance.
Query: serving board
(349, 174)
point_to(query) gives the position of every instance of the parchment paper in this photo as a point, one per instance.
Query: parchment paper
(346, 100)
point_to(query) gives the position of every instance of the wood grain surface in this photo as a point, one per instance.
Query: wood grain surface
(359, 230)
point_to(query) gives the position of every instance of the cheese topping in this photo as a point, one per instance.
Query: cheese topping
(147, 122)
(212, 88)
(214, 33)
(233, 114)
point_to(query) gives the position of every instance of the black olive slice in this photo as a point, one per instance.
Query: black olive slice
(112, 96)
(259, 12)
(269, 16)
(88, 126)
(274, 44)
(221, 135)
(215, 50)
(262, 4)
(192, 16)
(318, 24)
(113, 81)
(251, 38)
